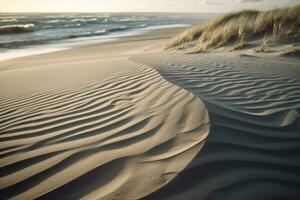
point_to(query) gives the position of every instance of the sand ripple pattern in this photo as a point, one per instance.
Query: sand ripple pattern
(121, 138)
(253, 149)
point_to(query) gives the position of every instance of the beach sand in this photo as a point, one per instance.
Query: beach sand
(123, 119)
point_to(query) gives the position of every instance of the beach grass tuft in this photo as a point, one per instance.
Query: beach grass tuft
(238, 27)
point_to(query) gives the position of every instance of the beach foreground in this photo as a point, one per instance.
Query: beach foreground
(123, 119)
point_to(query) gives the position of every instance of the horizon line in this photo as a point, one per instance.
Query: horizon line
(167, 12)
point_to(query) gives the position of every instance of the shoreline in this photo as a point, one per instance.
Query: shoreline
(64, 45)
(26, 61)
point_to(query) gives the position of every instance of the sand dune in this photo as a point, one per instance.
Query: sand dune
(252, 151)
(120, 138)
(238, 29)
(130, 120)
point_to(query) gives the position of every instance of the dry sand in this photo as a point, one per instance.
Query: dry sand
(88, 123)
(121, 120)
(252, 150)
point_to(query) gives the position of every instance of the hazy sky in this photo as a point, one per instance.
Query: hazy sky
(137, 5)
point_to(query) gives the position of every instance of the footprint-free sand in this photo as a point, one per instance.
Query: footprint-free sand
(130, 120)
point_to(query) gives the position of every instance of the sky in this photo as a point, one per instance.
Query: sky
(201, 6)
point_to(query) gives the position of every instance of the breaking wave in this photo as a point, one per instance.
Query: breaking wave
(16, 28)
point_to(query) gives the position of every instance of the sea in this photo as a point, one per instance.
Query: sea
(27, 34)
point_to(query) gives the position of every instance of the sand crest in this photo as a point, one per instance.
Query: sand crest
(253, 146)
(120, 138)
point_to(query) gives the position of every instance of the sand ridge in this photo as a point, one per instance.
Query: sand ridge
(253, 145)
(120, 138)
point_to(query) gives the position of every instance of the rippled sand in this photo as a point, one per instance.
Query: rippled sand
(252, 151)
(121, 134)
(122, 120)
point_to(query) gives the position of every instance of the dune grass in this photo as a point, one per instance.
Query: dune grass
(238, 27)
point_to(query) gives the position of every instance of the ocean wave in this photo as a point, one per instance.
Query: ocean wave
(84, 34)
(9, 20)
(47, 26)
(105, 20)
(98, 32)
(16, 28)
(90, 33)
(129, 19)
(72, 25)
(126, 19)
(121, 28)
(84, 20)
(55, 21)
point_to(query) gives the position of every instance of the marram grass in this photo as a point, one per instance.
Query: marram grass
(238, 27)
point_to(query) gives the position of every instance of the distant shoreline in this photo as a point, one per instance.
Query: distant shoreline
(30, 34)
(37, 53)
(69, 44)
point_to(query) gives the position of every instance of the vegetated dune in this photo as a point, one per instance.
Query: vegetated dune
(241, 27)
(127, 135)
(121, 138)
(252, 150)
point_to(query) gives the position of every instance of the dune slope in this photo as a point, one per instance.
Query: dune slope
(252, 151)
(119, 138)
